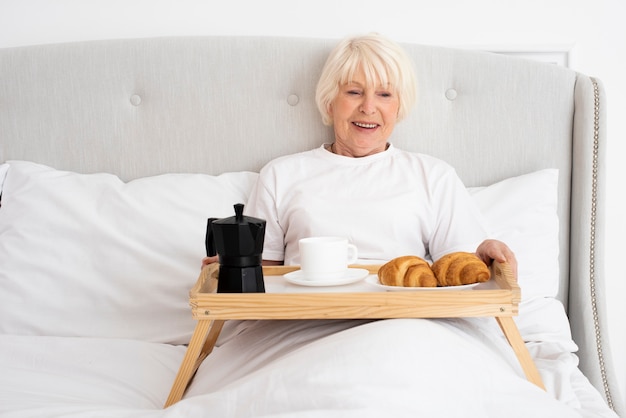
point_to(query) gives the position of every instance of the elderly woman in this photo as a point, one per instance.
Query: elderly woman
(388, 202)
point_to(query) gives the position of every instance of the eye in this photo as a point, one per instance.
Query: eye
(353, 92)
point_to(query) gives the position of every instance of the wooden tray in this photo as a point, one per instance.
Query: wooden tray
(211, 309)
(502, 300)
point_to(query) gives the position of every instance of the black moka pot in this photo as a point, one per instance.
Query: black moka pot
(238, 241)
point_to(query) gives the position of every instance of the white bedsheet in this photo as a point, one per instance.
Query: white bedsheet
(395, 368)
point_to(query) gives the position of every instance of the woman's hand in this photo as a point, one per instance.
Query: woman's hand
(491, 249)
(209, 260)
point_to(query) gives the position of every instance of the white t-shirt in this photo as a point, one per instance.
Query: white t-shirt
(389, 204)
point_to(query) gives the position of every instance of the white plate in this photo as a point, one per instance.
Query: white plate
(352, 275)
(373, 280)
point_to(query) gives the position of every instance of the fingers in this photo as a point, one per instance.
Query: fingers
(209, 260)
(491, 249)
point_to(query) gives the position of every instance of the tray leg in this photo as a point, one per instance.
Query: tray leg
(201, 344)
(216, 328)
(517, 343)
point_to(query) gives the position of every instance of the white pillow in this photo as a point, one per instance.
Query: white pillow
(90, 255)
(522, 212)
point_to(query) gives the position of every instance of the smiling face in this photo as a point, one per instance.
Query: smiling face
(364, 116)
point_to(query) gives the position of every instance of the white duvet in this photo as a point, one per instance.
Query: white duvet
(341, 368)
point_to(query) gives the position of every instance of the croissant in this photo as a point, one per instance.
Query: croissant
(409, 271)
(460, 268)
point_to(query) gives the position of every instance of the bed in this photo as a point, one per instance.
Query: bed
(114, 153)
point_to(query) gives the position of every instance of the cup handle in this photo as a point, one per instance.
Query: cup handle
(353, 254)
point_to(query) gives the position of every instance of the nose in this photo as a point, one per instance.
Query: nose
(368, 106)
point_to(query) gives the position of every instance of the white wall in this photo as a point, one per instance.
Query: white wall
(592, 30)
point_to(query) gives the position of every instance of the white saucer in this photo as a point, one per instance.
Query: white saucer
(352, 275)
(373, 280)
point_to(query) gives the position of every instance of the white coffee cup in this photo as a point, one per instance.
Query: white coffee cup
(326, 258)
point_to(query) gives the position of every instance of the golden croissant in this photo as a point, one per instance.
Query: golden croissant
(460, 268)
(409, 271)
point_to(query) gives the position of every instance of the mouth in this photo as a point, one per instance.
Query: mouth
(365, 125)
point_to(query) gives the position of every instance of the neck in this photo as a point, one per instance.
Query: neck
(336, 148)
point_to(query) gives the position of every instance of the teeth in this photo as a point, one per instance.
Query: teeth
(365, 125)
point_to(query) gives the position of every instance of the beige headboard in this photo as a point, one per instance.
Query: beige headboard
(213, 104)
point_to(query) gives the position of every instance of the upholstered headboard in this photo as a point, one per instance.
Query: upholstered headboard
(214, 104)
